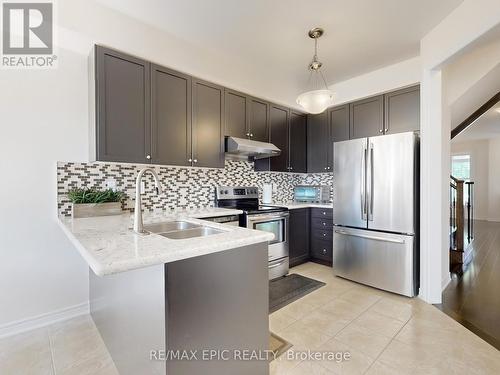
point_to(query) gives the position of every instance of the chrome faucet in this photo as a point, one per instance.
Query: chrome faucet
(138, 224)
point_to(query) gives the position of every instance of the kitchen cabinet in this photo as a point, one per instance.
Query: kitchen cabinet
(171, 117)
(122, 111)
(321, 245)
(402, 110)
(317, 143)
(258, 123)
(236, 114)
(279, 119)
(367, 117)
(246, 116)
(207, 124)
(299, 236)
(298, 142)
(338, 121)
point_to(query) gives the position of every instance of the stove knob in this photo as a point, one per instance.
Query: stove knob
(226, 192)
(221, 191)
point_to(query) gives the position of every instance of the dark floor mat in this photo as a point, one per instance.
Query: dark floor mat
(290, 288)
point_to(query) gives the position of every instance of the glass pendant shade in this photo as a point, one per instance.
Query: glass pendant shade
(316, 101)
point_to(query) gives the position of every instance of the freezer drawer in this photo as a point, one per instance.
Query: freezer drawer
(382, 260)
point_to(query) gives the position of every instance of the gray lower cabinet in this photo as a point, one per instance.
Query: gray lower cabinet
(123, 123)
(317, 143)
(367, 117)
(321, 245)
(402, 110)
(171, 116)
(299, 236)
(207, 124)
(298, 142)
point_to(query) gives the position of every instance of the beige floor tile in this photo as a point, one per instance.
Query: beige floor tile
(378, 368)
(310, 368)
(304, 336)
(298, 309)
(279, 320)
(343, 309)
(27, 353)
(284, 363)
(357, 363)
(380, 324)
(75, 344)
(363, 297)
(325, 321)
(359, 338)
(393, 309)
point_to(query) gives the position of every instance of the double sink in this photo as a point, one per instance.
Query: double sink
(179, 230)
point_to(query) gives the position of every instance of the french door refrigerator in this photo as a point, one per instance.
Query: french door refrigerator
(375, 211)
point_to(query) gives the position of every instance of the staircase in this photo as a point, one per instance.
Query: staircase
(461, 221)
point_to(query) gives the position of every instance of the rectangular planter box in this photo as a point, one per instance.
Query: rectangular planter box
(96, 209)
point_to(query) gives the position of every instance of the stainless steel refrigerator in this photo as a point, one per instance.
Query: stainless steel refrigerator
(375, 211)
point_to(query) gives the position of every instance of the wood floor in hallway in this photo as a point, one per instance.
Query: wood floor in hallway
(473, 296)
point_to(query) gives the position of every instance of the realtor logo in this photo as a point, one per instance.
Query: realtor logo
(27, 35)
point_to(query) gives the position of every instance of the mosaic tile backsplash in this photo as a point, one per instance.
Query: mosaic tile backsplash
(184, 188)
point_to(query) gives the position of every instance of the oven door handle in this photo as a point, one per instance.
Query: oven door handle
(260, 219)
(274, 265)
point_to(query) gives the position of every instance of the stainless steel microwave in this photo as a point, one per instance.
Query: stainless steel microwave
(311, 193)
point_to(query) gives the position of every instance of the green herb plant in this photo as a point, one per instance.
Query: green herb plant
(95, 196)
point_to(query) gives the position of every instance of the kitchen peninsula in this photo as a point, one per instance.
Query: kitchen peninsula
(151, 293)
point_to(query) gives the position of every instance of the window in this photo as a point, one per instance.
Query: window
(460, 167)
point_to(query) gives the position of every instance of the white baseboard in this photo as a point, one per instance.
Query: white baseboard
(28, 324)
(446, 280)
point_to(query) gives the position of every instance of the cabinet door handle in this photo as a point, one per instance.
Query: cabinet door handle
(381, 130)
(190, 160)
(386, 130)
(148, 157)
(248, 134)
(195, 160)
(324, 251)
(251, 135)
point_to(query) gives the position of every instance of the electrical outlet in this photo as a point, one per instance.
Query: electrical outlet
(143, 187)
(110, 184)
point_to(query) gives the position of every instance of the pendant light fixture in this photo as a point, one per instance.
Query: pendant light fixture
(320, 97)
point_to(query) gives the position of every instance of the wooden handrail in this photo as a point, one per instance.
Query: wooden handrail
(473, 117)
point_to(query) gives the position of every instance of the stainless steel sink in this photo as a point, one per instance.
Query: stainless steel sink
(169, 226)
(191, 233)
(178, 230)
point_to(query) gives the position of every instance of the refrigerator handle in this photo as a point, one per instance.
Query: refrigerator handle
(370, 184)
(363, 182)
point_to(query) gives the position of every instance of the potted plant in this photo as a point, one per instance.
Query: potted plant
(94, 202)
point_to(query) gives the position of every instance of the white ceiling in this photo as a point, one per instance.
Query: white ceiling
(271, 35)
(485, 127)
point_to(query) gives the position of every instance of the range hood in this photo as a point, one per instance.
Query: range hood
(241, 148)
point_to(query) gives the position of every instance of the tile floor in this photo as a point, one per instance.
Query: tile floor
(383, 334)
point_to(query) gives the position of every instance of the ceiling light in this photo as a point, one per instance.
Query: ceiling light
(320, 97)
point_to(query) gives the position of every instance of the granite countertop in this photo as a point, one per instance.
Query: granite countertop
(109, 245)
(294, 205)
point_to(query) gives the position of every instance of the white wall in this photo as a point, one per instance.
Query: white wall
(494, 180)
(480, 170)
(403, 74)
(462, 27)
(44, 117)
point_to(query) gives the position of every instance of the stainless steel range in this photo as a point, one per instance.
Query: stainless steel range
(260, 217)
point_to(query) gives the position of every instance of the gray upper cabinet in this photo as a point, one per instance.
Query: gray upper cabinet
(171, 116)
(367, 117)
(298, 142)
(279, 119)
(338, 119)
(258, 121)
(208, 124)
(236, 114)
(402, 110)
(317, 143)
(123, 123)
